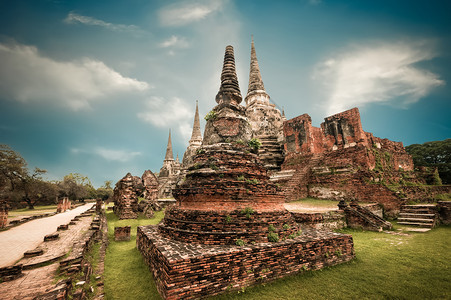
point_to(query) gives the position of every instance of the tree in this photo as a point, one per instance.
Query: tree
(77, 187)
(17, 184)
(106, 191)
(436, 154)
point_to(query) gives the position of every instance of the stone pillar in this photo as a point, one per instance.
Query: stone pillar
(3, 214)
(98, 206)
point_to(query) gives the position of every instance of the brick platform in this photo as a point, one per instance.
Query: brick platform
(188, 271)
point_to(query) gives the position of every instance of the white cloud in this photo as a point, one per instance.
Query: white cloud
(27, 76)
(169, 114)
(109, 154)
(381, 72)
(174, 41)
(73, 18)
(188, 12)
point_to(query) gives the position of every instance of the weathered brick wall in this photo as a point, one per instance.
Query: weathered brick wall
(3, 214)
(344, 128)
(225, 227)
(361, 217)
(424, 193)
(444, 209)
(326, 220)
(63, 205)
(122, 233)
(195, 271)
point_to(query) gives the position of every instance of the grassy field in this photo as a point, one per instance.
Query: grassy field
(126, 275)
(387, 266)
(36, 211)
(316, 202)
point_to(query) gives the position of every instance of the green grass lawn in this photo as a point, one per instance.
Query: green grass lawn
(416, 266)
(126, 275)
(36, 211)
(387, 266)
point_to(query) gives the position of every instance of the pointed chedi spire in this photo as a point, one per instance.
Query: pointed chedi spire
(255, 78)
(169, 155)
(256, 86)
(229, 92)
(196, 136)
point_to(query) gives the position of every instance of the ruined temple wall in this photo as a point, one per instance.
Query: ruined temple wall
(343, 129)
(196, 271)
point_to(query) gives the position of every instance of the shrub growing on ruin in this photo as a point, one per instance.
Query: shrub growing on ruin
(211, 115)
(273, 237)
(254, 144)
(239, 242)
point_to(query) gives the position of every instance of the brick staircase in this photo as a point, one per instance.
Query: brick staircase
(423, 215)
(271, 153)
(294, 182)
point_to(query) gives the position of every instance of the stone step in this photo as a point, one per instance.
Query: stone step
(417, 211)
(416, 220)
(420, 205)
(416, 215)
(416, 224)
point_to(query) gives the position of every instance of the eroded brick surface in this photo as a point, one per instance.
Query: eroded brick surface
(190, 271)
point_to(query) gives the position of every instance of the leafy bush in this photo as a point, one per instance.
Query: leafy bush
(239, 242)
(255, 144)
(286, 227)
(273, 237)
(211, 115)
(248, 211)
(271, 228)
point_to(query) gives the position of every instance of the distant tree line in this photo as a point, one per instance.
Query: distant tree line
(435, 154)
(19, 185)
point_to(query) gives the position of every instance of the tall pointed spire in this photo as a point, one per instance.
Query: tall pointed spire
(256, 89)
(230, 90)
(196, 136)
(169, 155)
(255, 78)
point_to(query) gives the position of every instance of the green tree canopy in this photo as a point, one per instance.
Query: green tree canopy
(435, 154)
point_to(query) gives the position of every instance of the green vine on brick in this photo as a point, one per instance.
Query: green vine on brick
(239, 242)
(273, 237)
(248, 211)
(211, 115)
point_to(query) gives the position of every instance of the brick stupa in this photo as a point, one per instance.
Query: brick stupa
(227, 196)
(229, 228)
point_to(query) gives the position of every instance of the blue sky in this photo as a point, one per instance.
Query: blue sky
(94, 86)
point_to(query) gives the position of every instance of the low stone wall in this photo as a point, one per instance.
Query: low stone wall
(188, 271)
(326, 220)
(122, 233)
(225, 227)
(424, 193)
(444, 208)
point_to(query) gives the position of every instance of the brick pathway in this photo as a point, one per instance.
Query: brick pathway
(15, 241)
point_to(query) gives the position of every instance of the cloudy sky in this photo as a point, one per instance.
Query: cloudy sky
(94, 86)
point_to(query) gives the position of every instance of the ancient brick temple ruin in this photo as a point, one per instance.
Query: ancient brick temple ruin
(129, 189)
(229, 228)
(3, 213)
(63, 204)
(341, 161)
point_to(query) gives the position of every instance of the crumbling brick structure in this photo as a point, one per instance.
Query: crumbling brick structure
(122, 233)
(340, 160)
(63, 205)
(3, 214)
(226, 202)
(129, 189)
